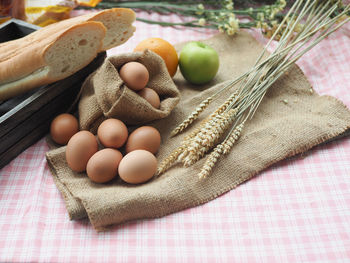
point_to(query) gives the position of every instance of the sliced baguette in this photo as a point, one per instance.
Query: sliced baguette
(57, 56)
(17, 77)
(118, 22)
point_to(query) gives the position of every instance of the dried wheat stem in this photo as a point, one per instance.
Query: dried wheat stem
(169, 161)
(211, 161)
(231, 100)
(222, 148)
(194, 135)
(208, 136)
(204, 104)
(319, 22)
(177, 153)
(232, 138)
(193, 145)
(192, 117)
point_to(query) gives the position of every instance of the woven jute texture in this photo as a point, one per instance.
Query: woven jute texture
(291, 119)
(104, 94)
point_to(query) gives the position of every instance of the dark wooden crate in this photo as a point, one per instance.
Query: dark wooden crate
(26, 118)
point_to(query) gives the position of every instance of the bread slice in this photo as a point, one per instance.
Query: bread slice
(17, 75)
(118, 22)
(55, 57)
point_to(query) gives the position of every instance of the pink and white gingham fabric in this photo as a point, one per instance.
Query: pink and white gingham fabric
(295, 211)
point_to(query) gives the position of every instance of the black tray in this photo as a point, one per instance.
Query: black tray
(26, 118)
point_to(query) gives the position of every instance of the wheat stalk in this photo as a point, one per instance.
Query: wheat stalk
(208, 136)
(229, 118)
(202, 106)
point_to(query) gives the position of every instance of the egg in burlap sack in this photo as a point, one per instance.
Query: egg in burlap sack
(105, 95)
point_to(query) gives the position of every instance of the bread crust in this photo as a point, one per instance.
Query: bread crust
(16, 71)
(31, 58)
(20, 58)
(39, 35)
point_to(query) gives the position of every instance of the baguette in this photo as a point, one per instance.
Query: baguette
(17, 77)
(118, 22)
(57, 56)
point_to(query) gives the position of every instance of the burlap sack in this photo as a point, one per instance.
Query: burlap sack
(104, 94)
(291, 119)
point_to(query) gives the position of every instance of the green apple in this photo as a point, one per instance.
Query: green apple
(198, 62)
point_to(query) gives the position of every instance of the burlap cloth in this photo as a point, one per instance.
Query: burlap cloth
(104, 94)
(291, 119)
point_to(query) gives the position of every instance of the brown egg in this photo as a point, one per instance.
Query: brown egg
(63, 127)
(112, 133)
(79, 150)
(135, 75)
(103, 165)
(137, 167)
(144, 138)
(151, 96)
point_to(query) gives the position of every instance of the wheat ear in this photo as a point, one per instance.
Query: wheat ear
(222, 148)
(211, 161)
(192, 117)
(169, 161)
(230, 101)
(232, 138)
(174, 155)
(203, 105)
(195, 136)
(208, 136)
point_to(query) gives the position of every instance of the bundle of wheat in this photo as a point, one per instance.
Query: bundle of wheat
(303, 27)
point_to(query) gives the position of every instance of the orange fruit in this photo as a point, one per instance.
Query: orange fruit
(164, 49)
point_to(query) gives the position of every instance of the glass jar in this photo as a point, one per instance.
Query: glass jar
(5, 7)
(13, 8)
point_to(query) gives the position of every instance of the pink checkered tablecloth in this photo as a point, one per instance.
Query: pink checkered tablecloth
(296, 211)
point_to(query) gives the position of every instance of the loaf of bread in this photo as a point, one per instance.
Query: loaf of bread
(61, 49)
(118, 22)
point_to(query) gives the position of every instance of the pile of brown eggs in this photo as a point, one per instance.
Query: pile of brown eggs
(101, 157)
(136, 76)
